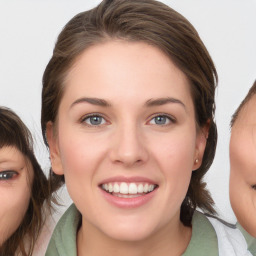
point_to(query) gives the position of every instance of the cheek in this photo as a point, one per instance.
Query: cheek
(243, 160)
(243, 201)
(242, 196)
(81, 156)
(175, 157)
(14, 204)
(80, 152)
(175, 152)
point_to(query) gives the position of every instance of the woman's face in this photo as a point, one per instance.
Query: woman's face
(243, 167)
(126, 139)
(14, 190)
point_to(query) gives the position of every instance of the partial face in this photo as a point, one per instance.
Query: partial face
(243, 167)
(126, 139)
(14, 190)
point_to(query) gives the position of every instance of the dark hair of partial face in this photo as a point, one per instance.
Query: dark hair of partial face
(13, 132)
(155, 24)
(249, 95)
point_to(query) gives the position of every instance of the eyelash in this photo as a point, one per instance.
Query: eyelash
(170, 118)
(7, 175)
(83, 119)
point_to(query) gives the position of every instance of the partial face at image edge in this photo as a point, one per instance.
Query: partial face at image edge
(243, 166)
(15, 176)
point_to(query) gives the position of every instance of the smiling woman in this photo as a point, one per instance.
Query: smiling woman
(23, 188)
(143, 144)
(128, 115)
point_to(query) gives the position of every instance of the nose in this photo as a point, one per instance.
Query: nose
(128, 146)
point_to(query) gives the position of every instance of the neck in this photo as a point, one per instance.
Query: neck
(171, 240)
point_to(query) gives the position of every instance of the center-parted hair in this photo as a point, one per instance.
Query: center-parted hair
(156, 24)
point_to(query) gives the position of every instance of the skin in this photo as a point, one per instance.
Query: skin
(14, 190)
(128, 142)
(243, 167)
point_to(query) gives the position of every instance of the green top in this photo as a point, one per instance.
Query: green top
(63, 241)
(251, 241)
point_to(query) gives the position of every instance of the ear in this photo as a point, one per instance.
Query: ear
(201, 140)
(54, 149)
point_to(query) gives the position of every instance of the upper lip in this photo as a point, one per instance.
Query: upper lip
(128, 180)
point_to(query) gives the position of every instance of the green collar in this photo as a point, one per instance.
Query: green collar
(63, 242)
(204, 239)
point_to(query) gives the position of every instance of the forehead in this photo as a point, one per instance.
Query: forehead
(11, 154)
(126, 67)
(247, 115)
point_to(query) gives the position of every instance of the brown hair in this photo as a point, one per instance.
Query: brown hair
(249, 95)
(156, 24)
(13, 132)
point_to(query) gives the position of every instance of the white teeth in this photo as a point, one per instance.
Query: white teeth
(116, 188)
(127, 196)
(133, 188)
(128, 188)
(140, 188)
(124, 188)
(145, 188)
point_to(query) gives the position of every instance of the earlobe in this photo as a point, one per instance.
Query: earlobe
(54, 149)
(201, 142)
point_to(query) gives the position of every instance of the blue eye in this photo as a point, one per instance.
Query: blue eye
(7, 175)
(94, 120)
(161, 120)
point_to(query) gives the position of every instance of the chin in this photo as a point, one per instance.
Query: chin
(128, 232)
(129, 236)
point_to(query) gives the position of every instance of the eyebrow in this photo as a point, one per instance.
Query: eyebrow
(93, 101)
(163, 101)
(149, 103)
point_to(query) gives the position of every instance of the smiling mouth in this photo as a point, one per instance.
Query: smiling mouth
(128, 190)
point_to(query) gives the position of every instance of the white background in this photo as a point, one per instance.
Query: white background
(28, 31)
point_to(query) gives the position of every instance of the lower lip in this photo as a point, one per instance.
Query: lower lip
(128, 202)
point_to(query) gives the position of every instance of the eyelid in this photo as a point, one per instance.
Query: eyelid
(90, 115)
(170, 117)
(83, 118)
